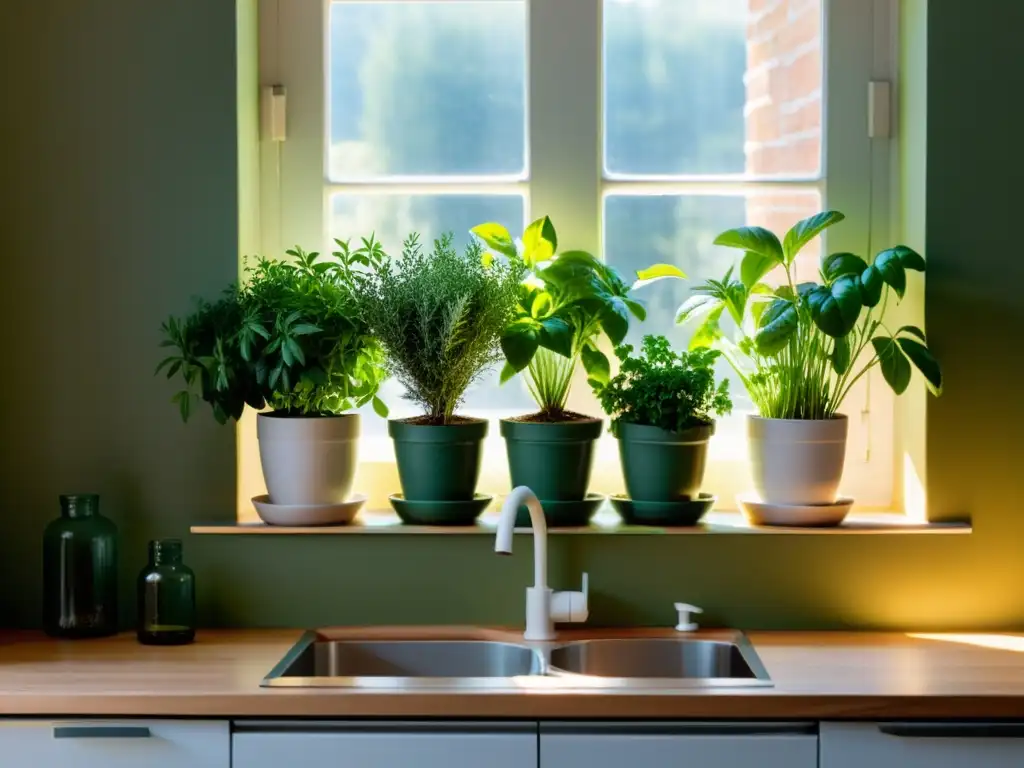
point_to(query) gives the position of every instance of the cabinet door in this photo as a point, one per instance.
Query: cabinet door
(373, 745)
(679, 745)
(922, 745)
(114, 744)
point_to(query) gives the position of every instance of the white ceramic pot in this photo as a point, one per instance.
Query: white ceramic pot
(796, 461)
(308, 459)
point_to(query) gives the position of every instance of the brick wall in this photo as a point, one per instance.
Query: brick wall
(783, 110)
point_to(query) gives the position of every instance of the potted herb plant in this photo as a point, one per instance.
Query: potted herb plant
(290, 339)
(439, 315)
(662, 406)
(567, 302)
(802, 347)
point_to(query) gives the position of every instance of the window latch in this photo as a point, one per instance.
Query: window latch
(274, 113)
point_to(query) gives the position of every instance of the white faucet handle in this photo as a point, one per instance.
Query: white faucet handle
(571, 607)
(685, 609)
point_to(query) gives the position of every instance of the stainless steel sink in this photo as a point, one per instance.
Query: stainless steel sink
(727, 660)
(663, 662)
(319, 662)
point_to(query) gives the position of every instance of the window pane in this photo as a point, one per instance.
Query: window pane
(712, 87)
(427, 88)
(392, 218)
(680, 229)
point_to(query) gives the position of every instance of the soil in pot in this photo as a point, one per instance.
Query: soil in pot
(438, 462)
(552, 458)
(658, 465)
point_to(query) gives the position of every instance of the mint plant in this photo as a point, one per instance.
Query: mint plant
(290, 337)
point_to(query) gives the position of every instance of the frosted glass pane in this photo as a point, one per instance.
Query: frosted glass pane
(712, 87)
(427, 88)
(680, 229)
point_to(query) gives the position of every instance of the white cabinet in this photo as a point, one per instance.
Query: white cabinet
(922, 745)
(114, 744)
(383, 745)
(679, 745)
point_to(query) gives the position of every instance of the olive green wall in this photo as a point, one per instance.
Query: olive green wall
(119, 178)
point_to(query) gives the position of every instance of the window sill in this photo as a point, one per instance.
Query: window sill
(605, 522)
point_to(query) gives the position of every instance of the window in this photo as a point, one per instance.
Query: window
(642, 127)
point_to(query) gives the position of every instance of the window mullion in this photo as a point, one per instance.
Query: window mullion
(565, 117)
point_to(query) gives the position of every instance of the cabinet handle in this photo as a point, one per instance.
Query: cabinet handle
(101, 732)
(954, 730)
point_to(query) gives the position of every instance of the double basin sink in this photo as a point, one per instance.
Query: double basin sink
(318, 660)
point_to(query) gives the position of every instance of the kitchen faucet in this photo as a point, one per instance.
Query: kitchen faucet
(543, 607)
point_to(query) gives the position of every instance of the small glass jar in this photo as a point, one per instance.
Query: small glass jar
(167, 597)
(80, 570)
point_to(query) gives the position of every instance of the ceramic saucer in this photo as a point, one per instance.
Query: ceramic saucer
(307, 514)
(421, 512)
(759, 512)
(682, 513)
(563, 514)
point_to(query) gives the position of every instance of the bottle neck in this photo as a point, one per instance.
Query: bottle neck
(79, 505)
(165, 552)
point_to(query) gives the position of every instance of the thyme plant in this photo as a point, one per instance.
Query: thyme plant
(439, 315)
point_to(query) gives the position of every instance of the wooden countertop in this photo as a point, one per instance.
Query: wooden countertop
(816, 675)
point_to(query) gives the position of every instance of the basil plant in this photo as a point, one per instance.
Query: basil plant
(567, 302)
(800, 347)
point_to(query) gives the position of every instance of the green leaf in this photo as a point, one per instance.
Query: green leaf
(894, 364)
(756, 239)
(657, 272)
(572, 266)
(556, 335)
(909, 258)
(754, 267)
(498, 238)
(871, 284)
(507, 372)
(709, 331)
(296, 350)
(839, 264)
(184, 401)
(758, 301)
(913, 330)
(380, 407)
(596, 365)
(615, 320)
(542, 304)
(841, 354)
(487, 258)
(275, 375)
(923, 360)
(696, 306)
(891, 269)
(835, 308)
(539, 242)
(778, 324)
(519, 342)
(637, 307)
(304, 329)
(286, 352)
(165, 362)
(175, 367)
(804, 231)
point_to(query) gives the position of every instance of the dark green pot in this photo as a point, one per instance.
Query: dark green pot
(660, 465)
(553, 460)
(438, 463)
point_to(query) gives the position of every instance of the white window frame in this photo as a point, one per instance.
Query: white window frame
(564, 178)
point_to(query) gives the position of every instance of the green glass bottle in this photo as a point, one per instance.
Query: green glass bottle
(167, 597)
(80, 570)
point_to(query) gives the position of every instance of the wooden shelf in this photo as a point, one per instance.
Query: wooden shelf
(605, 522)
